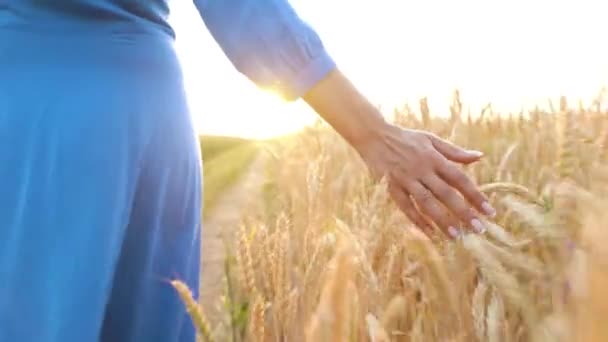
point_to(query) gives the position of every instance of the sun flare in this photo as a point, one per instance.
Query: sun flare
(252, 113)
(511, 54)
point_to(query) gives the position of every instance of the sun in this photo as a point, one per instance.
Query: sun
(249, 112)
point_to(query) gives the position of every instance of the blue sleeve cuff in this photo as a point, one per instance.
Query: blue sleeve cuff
(310, 75)
(267, 41)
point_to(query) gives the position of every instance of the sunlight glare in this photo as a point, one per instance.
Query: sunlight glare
(514, 54)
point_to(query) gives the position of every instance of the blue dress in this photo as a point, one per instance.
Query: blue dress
(100, 171)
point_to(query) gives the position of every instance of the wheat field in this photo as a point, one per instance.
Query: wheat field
(331, 258)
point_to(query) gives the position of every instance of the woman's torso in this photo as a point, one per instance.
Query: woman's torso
(87, 15)
(54, 54)
(124, 35)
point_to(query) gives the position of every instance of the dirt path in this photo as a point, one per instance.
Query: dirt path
(222, 222)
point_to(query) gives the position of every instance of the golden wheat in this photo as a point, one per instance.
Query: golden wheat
(333, 259)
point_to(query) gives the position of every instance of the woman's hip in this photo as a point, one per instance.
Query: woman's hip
(85, 134)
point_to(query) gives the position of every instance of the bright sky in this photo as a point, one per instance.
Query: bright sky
(508, 52)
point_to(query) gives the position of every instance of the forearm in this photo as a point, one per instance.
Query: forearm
(270, 44)
(339, 103)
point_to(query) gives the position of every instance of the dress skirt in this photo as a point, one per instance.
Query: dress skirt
(100, 193)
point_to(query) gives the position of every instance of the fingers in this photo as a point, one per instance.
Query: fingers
(431, 207)
(456, 178)
(454, 202)
(453, 152)
(406, 205)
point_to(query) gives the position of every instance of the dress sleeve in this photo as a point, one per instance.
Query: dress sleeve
(268, 42)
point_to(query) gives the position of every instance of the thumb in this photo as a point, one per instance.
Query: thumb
(455, 153)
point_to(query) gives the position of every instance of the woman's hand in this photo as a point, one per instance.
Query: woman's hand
(422, 169)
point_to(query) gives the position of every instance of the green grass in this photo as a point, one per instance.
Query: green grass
(212, 145)
(224, 161)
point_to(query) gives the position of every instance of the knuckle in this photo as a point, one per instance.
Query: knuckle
(438, 160)
(461, 178)
(428, 208)
(474, 195)
(478, 196)
(446, 193)
(448, 170)
(435, 212)
(443, 217)
(466, 214)
(424, 195)
(426, 201)
(431, 135)
(445, 222)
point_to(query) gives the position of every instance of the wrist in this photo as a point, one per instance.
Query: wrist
(369, 126)
(341, 105)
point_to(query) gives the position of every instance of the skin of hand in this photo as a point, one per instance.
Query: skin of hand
(421, 169)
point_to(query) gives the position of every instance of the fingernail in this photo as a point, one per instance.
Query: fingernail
(454, 233)
(475, 153)
(478, 226)
(488, 210)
